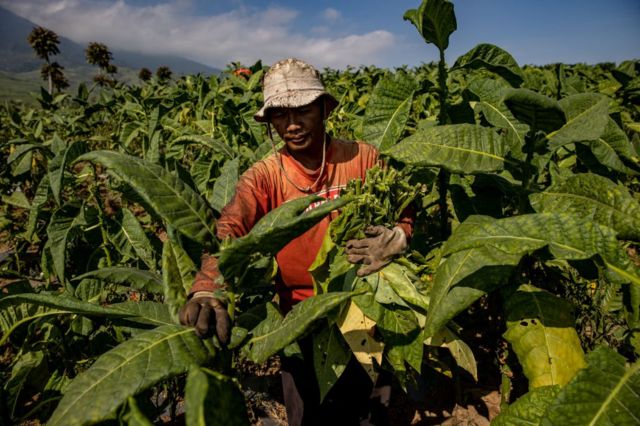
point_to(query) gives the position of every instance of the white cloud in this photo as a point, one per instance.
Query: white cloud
(331, 14)
(173, 28)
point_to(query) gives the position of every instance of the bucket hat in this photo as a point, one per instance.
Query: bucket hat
(291, 83)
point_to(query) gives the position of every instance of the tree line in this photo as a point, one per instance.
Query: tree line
(45, 43)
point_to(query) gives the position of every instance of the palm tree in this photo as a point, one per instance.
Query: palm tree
(45, 43)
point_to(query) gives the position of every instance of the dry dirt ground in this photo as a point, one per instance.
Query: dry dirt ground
(435, 406)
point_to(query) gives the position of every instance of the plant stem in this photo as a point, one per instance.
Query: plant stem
(103, 231)
(443, 175)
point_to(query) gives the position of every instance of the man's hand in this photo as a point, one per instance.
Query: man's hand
(378, 250)
(206, 313)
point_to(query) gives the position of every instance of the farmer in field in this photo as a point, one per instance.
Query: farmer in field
(311, 162)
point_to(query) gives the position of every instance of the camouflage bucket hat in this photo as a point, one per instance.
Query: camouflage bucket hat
(292, 83)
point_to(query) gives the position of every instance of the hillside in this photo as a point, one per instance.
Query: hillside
(19, 67)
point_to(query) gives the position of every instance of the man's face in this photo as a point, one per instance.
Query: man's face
(301, 128)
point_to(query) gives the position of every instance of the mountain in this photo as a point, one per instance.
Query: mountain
(16, 56)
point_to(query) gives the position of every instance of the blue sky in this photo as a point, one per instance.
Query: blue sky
(341, 33)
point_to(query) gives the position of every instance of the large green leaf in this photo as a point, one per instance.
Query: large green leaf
(568, 237)
(275, 230)
(612, 147)
(541, 331)
(529, 409)
(135, 278)
(435, 21)
(482, 252)
(126, 370)
(534, 109)
(595, 197)
(58, 163)
(162, 191)
(459, 148)
(146, 312)
(607, 392)
(129, 237)
(402, 338)
(176, 279)
(280, 334)
(213, 399)
(494, 59)
(462, 279)
(64, 225)
(330, 358)
(388, 110)
(490, 93)
(225, 185)
(587, 115)
(19, 309)
(398, 278)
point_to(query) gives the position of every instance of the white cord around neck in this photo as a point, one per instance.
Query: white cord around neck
(307, 189)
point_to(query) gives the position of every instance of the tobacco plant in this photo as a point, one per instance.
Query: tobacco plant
(524, 184)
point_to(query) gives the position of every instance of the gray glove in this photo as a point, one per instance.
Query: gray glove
(378, 250)
(206, 313)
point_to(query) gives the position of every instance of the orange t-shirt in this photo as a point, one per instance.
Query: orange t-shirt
(263, 187)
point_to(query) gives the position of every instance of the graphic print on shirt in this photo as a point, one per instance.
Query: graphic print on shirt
(328, 195)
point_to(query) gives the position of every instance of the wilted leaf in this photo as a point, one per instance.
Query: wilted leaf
(357, 330)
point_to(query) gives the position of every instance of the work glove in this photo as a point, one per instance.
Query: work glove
(207, 314)
(377, 250)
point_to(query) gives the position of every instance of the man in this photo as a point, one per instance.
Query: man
(296, 105)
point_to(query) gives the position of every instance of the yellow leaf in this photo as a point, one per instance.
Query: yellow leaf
(357, 329)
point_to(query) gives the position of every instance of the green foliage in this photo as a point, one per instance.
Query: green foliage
(126, 370)
(213, 399)
(388, 110)
(596, 197)
(459, 148)
(111, 193)
(178, 204)
(434, 20)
